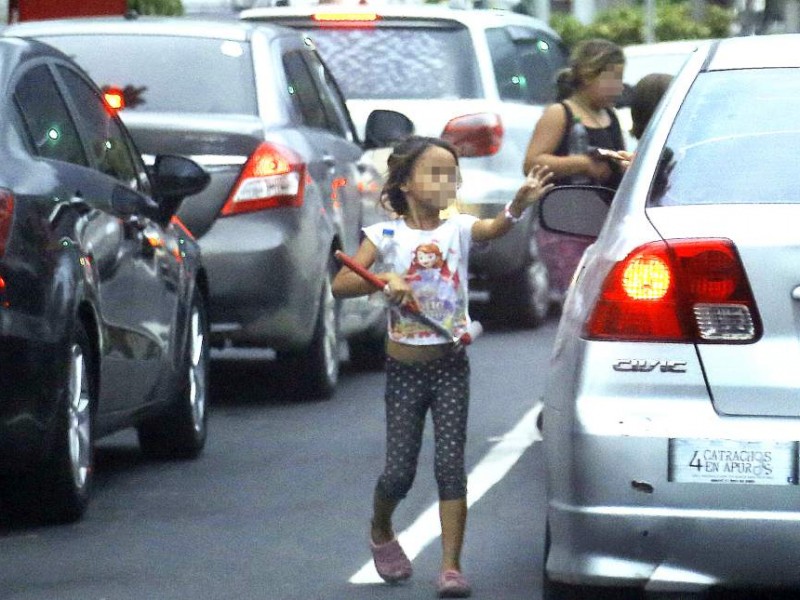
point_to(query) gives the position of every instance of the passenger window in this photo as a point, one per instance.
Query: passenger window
(46, 121)
(108, 143)
(525, 64)
(303, 92)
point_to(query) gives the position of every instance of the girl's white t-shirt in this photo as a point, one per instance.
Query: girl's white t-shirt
(435, 265)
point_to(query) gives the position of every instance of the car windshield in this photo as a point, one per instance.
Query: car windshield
(159, 73)
(400, 62)
(735, 140)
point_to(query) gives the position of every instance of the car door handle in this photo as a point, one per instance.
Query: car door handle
(329, 160)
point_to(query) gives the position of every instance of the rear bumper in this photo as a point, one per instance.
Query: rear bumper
(672, 550)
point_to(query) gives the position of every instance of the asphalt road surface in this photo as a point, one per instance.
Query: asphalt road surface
(277, 508)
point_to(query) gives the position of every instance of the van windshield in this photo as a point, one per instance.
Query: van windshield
(400, 62)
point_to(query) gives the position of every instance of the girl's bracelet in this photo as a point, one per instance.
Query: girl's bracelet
(507, 213)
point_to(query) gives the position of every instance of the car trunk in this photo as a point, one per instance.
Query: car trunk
(220, 145)
(760, 378)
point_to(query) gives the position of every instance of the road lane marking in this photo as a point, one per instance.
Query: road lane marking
(491, 469)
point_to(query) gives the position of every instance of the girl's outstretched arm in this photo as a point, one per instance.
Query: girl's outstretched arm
(536, 184)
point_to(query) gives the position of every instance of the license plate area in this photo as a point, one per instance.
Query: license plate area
(733, 462)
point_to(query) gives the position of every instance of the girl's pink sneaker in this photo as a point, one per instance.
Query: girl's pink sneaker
(452, 584)
(391, 562)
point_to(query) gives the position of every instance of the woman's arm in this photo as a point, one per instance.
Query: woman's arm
(544, 142)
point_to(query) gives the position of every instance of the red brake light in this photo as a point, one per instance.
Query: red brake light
(115, 98)
(480, 134)
(272, 177)
(689, 290)
(340, 18)
(6, 215)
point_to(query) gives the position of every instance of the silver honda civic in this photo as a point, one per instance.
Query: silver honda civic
(671, 416)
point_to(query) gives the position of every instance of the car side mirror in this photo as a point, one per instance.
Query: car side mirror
(385, 128)
(575, 210)
(174, 178)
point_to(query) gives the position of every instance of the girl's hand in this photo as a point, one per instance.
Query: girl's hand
(537, 183)
(398, 291)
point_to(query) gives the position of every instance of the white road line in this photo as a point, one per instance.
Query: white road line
(491, 469)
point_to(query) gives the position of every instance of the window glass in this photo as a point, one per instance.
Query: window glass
(108, 145)
(303, 92)
(400, 62)
(525, 64)
(168, 74)
(331, 101)
(728, 120)
(46, 120)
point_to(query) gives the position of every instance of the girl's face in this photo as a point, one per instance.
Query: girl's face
(434, 179)
(606, 88)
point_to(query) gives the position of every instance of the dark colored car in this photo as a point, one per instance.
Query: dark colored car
(102, 292)
(254, 105)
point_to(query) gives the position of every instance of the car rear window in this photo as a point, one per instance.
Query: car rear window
(168, 74)
(400, 61)
(735, 140)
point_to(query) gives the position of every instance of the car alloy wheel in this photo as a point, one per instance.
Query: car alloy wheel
(198, 370)
(79, 419)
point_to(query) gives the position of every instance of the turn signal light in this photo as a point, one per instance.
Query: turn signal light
(685, 290)
(479, 134)
(273, 177)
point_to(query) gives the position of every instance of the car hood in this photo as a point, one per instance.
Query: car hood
(758, 378)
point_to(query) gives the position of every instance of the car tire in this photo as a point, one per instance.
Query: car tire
(181, 432)
(66, 478)
(523, 299)
(317, 367)
(368, 352)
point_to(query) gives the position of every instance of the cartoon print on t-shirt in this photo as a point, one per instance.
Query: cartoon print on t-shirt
(435, 285)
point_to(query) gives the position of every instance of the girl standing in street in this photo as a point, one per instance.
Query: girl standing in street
(422, 259)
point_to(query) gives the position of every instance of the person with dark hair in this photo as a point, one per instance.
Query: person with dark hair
(422, 258)
(645, 97)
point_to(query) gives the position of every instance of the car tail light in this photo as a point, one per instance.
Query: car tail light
(480, 134)
(272, 177)
(6, 215)
(114, 98)
(687, 290)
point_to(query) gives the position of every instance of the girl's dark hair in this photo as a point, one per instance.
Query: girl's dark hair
(401, 164)
(587, 61)
(645, 97)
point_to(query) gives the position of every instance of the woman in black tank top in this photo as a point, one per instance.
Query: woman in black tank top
(588, 90)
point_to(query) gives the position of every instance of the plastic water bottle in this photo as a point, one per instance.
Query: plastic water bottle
(387, 250)
(578, 144)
